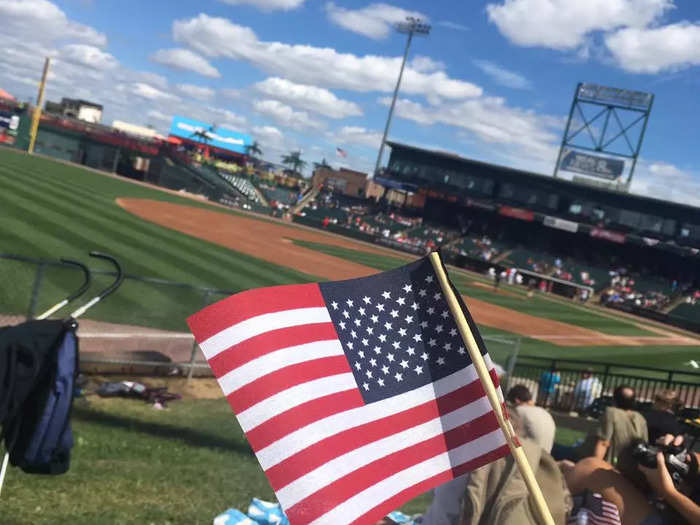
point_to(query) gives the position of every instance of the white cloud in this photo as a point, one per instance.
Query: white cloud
(356, 135)
(219, 116)
(233, 94)
(268, 5)
(159, 117)
(44, 21)
(198, 92)
(326, 67)
(452, 25)
(274, 143)
(310, 98)
(285, 115)
(424, 64)
(146, 91)
(490, 119)
(564, 24)
(374, 21)
(663, 180)
(185, 60)
(664, 169)
(503, 76)
(651, 50)
(88, 56)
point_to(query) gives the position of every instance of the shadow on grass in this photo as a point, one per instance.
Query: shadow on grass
(188, 435)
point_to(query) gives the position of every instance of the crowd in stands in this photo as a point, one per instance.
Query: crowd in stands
(603, 480)
(624, 289)
(481, 247)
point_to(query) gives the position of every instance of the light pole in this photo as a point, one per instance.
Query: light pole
(412, 26)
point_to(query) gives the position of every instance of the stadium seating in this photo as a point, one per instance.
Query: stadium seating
(482, 248)
(687, 310)
(243, 185)
(284, 196)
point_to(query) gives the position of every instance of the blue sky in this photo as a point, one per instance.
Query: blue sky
(493, 80)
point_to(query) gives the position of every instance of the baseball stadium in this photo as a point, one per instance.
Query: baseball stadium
(576, 278)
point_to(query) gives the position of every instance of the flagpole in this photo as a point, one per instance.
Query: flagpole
(491, 394)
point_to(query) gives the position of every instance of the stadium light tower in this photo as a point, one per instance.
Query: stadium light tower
(412, 26)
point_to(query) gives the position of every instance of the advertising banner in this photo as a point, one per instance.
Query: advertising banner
(611, 95)
(517, 213)
(603, 167)
(560, 224)
(608, 235)
(218, 137)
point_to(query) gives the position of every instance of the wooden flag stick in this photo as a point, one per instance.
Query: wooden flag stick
(491, 394)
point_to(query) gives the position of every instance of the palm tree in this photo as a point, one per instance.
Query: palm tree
(253, 150)
(295, 163)
(202, 135)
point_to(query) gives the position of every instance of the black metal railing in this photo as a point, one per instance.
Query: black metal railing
(587, 386)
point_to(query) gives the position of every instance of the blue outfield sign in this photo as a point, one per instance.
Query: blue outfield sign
(603, 167)
(218, 137)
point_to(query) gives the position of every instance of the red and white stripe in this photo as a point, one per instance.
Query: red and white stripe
(329, 457)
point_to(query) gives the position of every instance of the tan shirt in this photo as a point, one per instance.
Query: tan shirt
(620, 428)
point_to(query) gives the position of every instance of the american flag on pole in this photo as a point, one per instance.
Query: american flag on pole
(355, 395)
(341, 152)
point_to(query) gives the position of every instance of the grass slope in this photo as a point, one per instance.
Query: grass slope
(133, 464)
(515, 299)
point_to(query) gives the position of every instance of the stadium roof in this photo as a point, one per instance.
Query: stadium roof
(523, 175)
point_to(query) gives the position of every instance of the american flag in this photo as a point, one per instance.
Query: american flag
(355, 395)
(341, 152)
(591, 509)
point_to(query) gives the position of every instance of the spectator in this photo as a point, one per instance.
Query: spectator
(536, 423)
(586, 390)
(496, 493)
(548, 384)
(619, 427)
(661, 418)
(682, 502)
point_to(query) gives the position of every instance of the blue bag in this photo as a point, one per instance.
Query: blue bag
(45, 438)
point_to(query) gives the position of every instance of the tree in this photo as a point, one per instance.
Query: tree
(295, 162)
(202, 135)
(322, 164)
(253, 150)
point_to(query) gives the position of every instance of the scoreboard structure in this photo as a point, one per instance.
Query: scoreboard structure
(604, 133)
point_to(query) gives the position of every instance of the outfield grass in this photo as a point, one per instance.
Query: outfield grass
(515, 299)
(52, 210)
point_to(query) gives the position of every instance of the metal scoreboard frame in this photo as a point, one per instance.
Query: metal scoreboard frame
(609, 103)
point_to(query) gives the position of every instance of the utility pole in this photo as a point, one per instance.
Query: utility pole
(37, 110)
(412, 26)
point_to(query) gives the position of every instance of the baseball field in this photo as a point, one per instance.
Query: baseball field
(52, 210)
(184, 465)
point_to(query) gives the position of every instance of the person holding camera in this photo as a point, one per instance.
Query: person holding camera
(661, 418)
(681, 495)
(671, 477)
